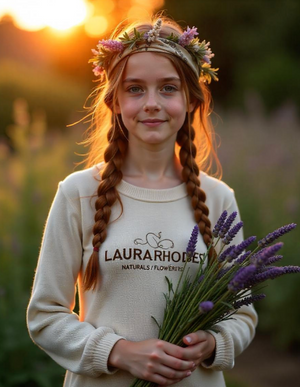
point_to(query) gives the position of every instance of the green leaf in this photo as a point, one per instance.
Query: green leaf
(170, 285)
(153, 318)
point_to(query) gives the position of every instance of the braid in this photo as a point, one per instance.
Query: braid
(107, 196)
(190, 173)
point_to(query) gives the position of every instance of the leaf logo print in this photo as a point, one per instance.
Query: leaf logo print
(154, 240)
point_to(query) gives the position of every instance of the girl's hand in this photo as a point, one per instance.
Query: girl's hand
(201, 346)
(154, 360)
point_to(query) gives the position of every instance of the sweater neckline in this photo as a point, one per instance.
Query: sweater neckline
(150, 194)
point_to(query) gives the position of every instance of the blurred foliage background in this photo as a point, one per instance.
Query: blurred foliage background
(44, 82)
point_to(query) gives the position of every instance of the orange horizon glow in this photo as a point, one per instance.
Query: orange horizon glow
(62, 15)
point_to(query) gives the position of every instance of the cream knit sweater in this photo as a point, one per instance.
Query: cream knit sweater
(143, 245)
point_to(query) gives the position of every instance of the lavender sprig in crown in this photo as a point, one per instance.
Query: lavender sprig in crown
(217, 291)
(200, 52)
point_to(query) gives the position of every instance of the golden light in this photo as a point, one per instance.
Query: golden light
(64, 14)
(96, 26)
(137, 12)
(37, 14)
(104, 7)
(26, 15)
(98, 16)
(150, 4)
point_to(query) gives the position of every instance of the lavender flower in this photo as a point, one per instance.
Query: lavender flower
(187, 36)
(219, 224)
(263, 255)
(226, 226)
(273, 259)
(242, 258)
(234, 253)
(226, 253)
(291, 269)
(206, 306)
(248, 300)
(223, 271)
(272, 273)
(276, 234)
(241, 278)
(191, 247)
(232, 233)
(111, 45)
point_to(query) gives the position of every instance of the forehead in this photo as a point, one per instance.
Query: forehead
(149, 64)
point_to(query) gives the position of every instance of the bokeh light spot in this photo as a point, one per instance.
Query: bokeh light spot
(96, 26)
(137, 12)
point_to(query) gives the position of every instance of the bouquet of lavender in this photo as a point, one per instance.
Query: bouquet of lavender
(221, 285)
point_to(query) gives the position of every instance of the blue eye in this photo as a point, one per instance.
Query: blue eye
(169, 89)
(135, 89)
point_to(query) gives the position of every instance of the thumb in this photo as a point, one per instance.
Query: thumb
(194, 338)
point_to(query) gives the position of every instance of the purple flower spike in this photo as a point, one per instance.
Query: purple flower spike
(241, 278)
(276, 234)
(219, 224)
(272, 260)
(272, 273)
(291, 269)
(232, 233)
(187, 36)
(112, 45)
(191, 247)
(248, 300)
(206, 306)
(263, 255)
(223, 271)
(226, 253)
(242, 258)
(240, 248)
(226, 226)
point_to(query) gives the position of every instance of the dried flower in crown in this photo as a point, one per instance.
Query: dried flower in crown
(199, 52)
(153, 34)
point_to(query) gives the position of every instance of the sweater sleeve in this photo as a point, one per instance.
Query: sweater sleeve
(236, 334)
(76, 345)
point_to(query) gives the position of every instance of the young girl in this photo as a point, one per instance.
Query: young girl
(118, 228)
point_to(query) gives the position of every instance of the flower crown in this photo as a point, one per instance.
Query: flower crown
(197, 54)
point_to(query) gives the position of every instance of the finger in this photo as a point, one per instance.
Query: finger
(171, 374)
(194, 338)
(177, 364)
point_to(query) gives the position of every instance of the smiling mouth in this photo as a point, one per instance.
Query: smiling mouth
(152, 122)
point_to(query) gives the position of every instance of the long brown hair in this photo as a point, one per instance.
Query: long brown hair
(107, 140)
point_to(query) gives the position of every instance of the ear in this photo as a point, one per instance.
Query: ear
(192, 105)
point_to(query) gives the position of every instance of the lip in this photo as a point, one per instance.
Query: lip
(151, 122)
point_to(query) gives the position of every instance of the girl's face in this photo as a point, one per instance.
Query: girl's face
(151, 100)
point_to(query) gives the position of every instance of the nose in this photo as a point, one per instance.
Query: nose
(152, 103)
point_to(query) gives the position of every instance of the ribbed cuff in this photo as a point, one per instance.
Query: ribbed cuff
(224, 356)
(102, 352)
(97, 351)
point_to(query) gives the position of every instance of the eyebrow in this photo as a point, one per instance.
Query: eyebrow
(139, 80)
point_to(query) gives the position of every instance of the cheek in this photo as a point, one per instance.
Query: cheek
(128, 108)
(178, 109)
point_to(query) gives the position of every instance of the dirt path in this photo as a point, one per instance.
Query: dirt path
(262, 365)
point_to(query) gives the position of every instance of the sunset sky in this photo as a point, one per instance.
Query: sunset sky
(62, 15)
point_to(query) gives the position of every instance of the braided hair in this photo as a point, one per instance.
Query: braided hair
(115, 152)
